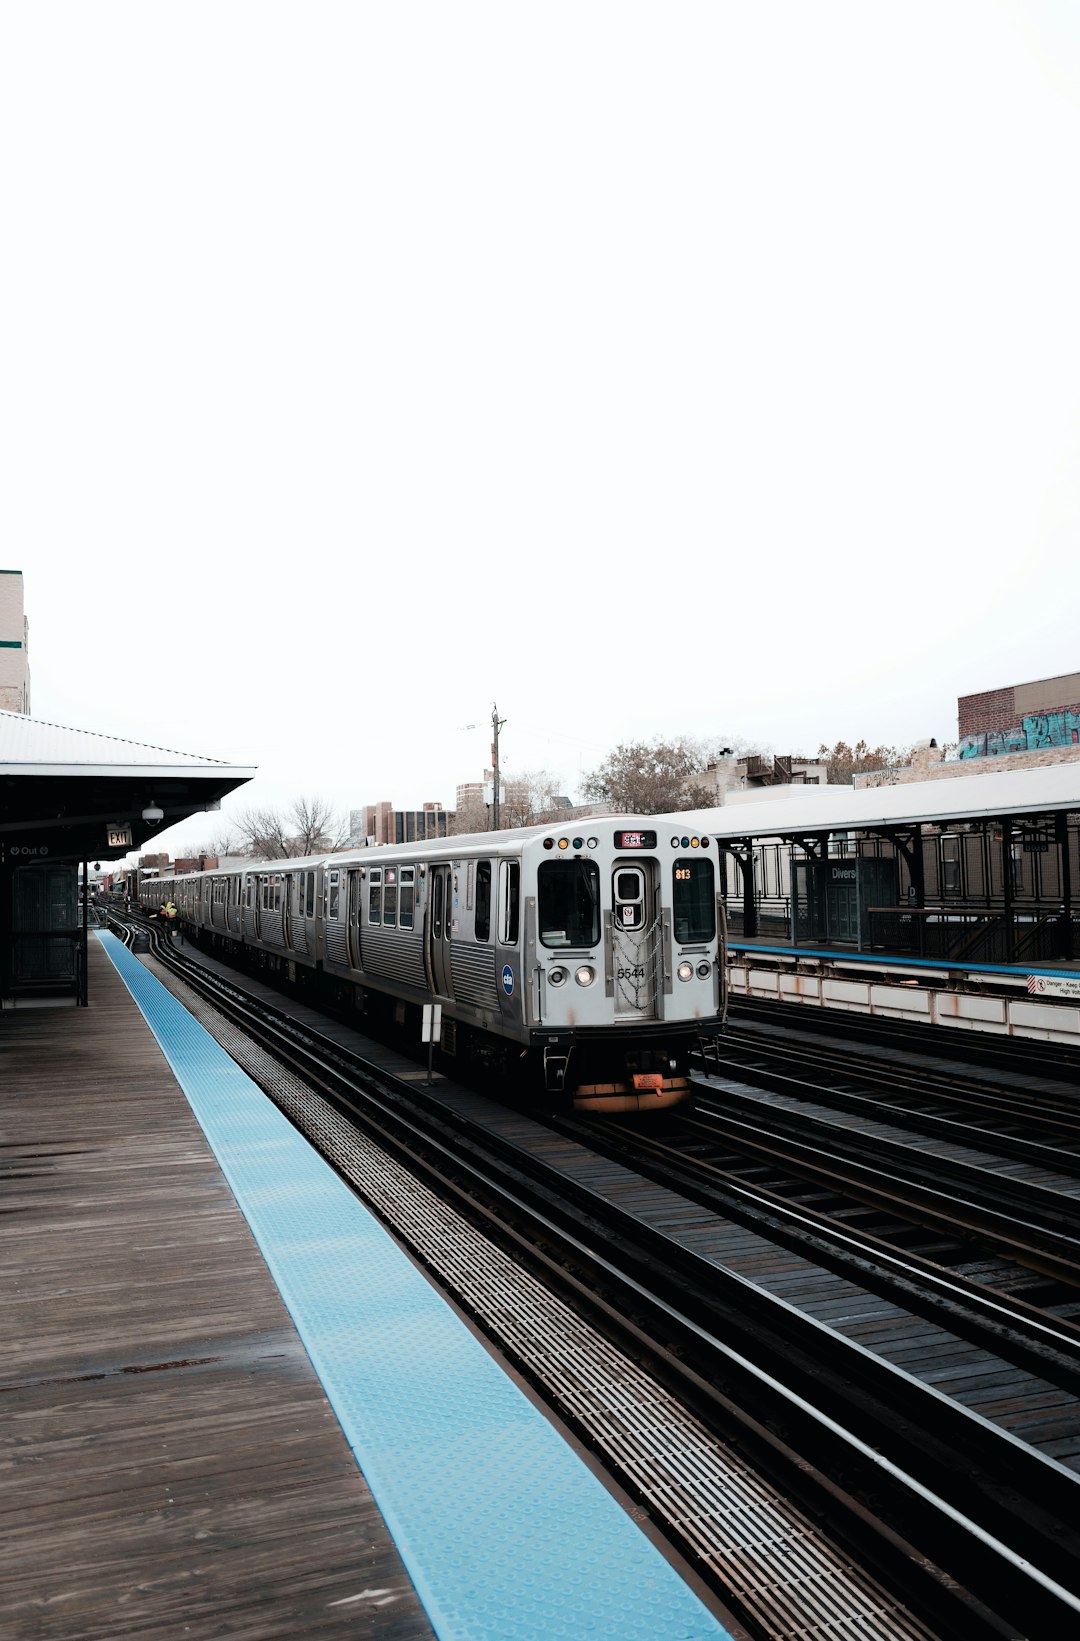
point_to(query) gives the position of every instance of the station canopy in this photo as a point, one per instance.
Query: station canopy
(71, 794)
(816, 810)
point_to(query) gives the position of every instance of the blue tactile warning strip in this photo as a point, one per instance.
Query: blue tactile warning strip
(506, 1534)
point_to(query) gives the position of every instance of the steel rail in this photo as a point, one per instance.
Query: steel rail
(1036, 1206)
(983, 1102)
(1035, 1339)
(1016, 1516)
(1005, 1053)
(1048, 1252)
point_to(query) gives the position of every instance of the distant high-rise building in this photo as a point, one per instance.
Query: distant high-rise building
(380, 823)
(14, 640)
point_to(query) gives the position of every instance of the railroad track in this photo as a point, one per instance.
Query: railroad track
(847, 1183)
(1022, 1113)
(974, 1526)
(1004, 1054)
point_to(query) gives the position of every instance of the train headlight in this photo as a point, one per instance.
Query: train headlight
(585, 975)
(557, 976)
(704, 970)
(685, 971)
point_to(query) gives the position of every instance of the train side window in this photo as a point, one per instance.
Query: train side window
(406, 897)
(309, 904)
(509, 898)
(483, 900)
(374, 904)
(389, 904)
(693, 900)
(950, 864)
(333, 896)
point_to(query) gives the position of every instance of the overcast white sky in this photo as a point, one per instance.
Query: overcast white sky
(706, 369)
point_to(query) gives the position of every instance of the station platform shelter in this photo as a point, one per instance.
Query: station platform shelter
(972, 869)
(950, 902)
(69, 797)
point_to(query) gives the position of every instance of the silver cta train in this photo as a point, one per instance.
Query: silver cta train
(586, 961)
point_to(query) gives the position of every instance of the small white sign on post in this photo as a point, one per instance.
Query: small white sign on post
(430, 1032)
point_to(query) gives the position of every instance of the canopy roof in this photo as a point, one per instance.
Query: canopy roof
(1043, 791)
(64, 792)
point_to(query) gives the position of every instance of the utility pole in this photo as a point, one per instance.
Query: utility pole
(496, 725)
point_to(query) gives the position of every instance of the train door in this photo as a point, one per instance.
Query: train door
(288, 897)
(439, 926)
(355, 914)
(636, 933)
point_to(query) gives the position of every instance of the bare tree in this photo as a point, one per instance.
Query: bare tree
(263, 834)
(225, 841)
(651, 778)
(471, 816)
(318, 828)
(308, 826)
(531, 798)
(527, 799)
(844, 761)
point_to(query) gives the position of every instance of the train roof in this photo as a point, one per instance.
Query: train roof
(464, 843)
(1050, 789)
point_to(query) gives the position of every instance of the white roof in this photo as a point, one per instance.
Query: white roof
(31, 747)
(1039, 791)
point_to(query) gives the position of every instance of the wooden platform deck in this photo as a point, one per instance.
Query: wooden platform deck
(169, 1464)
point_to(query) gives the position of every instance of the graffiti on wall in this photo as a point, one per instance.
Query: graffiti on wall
(1037, 730)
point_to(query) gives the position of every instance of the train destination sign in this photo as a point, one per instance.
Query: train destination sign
(635, 840)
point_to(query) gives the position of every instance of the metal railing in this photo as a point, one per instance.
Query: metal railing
(988, 936)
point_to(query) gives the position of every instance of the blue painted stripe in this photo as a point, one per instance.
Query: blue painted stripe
(507, 1535)
(885, 958)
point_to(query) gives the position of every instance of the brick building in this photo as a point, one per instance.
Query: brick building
(1019, 726)
(1022, 719)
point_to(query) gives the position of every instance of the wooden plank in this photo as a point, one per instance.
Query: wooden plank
(169, 1464)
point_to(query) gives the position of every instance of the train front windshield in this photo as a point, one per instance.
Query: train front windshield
(568, 902)
(693, 901)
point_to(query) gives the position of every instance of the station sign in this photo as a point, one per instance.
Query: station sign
(1054, 985)
(431, 1029)
(118, 837)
